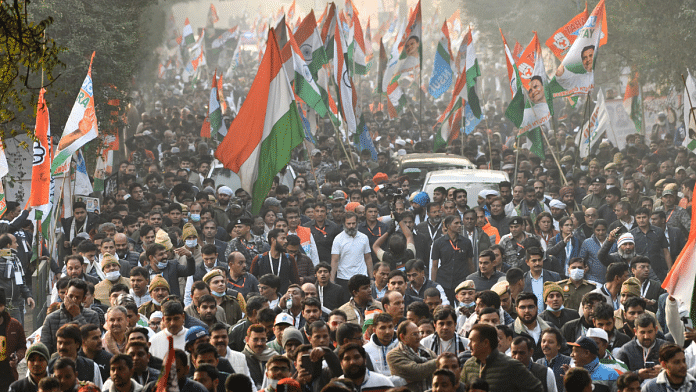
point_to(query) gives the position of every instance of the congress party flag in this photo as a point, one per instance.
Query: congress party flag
(563, 38)
(81, 127)
(575, 75)
(411, 57)
(82, 184)
(441, 78)
(529, 109)
(268, 127)
(40, 198)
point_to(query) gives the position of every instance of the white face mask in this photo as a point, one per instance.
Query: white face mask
(577, 274)
(113, 275)
(192, 243)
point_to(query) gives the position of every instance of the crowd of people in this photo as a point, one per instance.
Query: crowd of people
(348, 278)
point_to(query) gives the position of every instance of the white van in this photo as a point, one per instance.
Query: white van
(224, 176)
(472, 180)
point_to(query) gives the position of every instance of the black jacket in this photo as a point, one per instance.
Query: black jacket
(334, 296)
(24, 385)
(424, 241)
(287, 269)
(102, 360)
(572, 330)
(558, 322)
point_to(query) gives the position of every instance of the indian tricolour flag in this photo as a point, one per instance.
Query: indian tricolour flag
(680, 280)
(347, 97)
(188, 33)
(472, 72)
(305, 86)
(260, 141)
(81, 127)
(213, 124)
(356, 50)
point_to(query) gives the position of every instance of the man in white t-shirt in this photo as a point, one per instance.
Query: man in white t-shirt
(172, 325)
(350, 253)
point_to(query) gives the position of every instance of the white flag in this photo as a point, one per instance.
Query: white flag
(593, 130)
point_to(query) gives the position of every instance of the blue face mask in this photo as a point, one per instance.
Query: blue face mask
(162, 264)
(215, 293)
(195, 217)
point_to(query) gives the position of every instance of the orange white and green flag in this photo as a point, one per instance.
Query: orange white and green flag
(81, 127)
(268, 127)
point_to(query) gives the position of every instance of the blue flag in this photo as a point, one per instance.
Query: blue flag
(305, 125)
(442, 74)
(470, 120)
(363, 140)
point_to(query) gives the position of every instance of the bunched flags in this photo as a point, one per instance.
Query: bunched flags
(449, 123)
(260, 140)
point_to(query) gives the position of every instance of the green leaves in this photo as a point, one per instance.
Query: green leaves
(28, 60)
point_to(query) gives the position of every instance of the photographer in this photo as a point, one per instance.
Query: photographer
(401, 247)
(372, 227)
(309, 370)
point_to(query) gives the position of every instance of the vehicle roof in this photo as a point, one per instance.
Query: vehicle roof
(465, 174)
(435, 158)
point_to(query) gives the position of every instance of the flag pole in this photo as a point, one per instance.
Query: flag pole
(565, 182)
(343, 146)
(314, 173)
(420, 95)
(553, 154)
(585, 117)
(517, 156)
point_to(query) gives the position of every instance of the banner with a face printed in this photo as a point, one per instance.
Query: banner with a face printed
(530, 106)
(575, 75)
